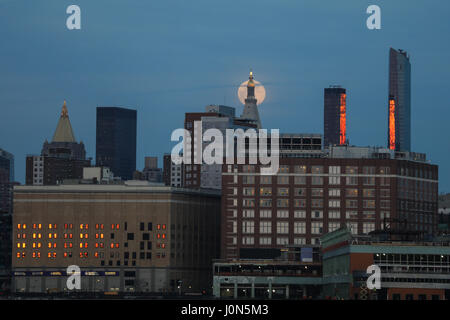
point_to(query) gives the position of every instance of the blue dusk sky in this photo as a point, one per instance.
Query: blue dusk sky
(167, 57)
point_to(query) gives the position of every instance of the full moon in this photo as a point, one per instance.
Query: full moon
(260, 92)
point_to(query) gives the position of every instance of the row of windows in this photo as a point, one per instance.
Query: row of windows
(315, 192)
(320, 169)
(282, 227)
(23, 226)
(315, 203)
(301, 214)
(317, 180)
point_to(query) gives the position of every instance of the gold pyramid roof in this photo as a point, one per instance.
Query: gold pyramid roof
(64, 132)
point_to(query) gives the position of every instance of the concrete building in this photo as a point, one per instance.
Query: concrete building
(196, 174)
(313, 196)
(151, 171)
(132, 237)
(173, 174)
(295, 274)
(409, 270)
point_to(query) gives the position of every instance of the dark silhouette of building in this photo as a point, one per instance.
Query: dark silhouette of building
(116, 140)
(6, 201)
(399, 104)
(62, 158)
(334, 116)
(7, 163)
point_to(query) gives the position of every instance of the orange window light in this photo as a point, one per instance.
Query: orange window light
(342, 119)
(392, 124)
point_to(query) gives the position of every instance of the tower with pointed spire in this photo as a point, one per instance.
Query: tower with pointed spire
(250, 113)
(63, 144)
(61, 159)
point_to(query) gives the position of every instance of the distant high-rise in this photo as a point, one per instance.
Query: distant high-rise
(7, 164)
(399, 101)
(250, 108)
(116, 140)
(334, 116)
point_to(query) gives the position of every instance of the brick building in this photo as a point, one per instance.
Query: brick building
(313, 196)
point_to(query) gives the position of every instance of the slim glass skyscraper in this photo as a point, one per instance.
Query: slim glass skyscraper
(116, 140)
(399, 101)
(334, 116)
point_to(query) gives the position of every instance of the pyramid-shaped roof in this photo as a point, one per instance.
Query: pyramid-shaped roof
(64, 132)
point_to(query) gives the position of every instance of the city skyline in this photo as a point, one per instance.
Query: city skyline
(208, 71)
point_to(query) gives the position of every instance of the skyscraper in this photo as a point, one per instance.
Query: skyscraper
(61, 159)
(399, 101)
(7, 164)
(116, 140)
(250, 108)
(334, 116)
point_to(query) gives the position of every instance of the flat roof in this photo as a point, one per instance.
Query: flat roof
(113, 188)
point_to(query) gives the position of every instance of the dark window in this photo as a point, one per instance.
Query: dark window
(141, 244)
(149, 245)
(130, 274)
(149, 226)
(435, 297)
(409, 297)
(102, 263)
(126, 255)
(125, 263)
(145, 236)
(126, 226)
(130, 236)
(149, 255)
(110, 262)
(126, 244)
(133, 263)
(422, 297)
(118, 262)
(142, 226)
(396, 296)
(129, 282)
(112, 235)
(142, 255)
(134, 255)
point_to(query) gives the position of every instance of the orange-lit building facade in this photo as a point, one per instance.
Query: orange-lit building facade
(335, 116)
(392, 124)
(399, 101)
(124, 238)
